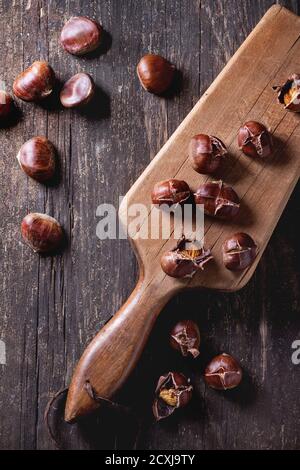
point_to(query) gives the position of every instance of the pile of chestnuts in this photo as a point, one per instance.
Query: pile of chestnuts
(174, 390)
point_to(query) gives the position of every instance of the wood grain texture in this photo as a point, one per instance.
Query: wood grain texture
(51, 308)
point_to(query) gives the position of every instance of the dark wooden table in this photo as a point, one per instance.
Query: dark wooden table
(52, 307)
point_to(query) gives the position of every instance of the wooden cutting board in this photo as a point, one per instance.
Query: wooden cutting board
(243, 91)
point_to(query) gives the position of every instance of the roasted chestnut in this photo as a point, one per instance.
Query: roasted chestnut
(155, 73)
(173, 391)
(185, 337)
(42, 233)
(289, 93)
(184, 263)
(37, 158)
(218, 199)
(223, 372)
(81, 35)
(77, 91)
(239, 251)
(6, 104)
(206, 153)
(35, 83)
(170, 192)
(254, 140)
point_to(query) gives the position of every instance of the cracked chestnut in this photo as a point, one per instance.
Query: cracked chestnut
(255, 140)
(35, 83)
(77, 91)
(6, 104)
(42, 233)
(223, 372)
(170, 192)
(37, 159)
(184, 261)
(289, 93)
(185, 338)
(173, 391)
(239, 251)
(218, 199)
(206, 153)
(155, 73)
(81, 35)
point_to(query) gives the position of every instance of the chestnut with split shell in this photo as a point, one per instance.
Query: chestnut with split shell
(289, 93)
(206, 153)
(37, 159)
(218, 199)
(35, 83)
(170, 192)
(185, 338)
(184, 261)
(223, 372)
(155, 73)
(81, 35)
(173, 391)
(42, 233)
(255, 140)
(77, 91)
(239, 251)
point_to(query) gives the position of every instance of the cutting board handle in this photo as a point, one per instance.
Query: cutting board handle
(113, 353)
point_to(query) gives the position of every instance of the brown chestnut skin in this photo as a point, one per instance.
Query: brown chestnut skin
(170, 192)
(42, 233)
(218, 199)
(185, 338)
(6, 104)
(35, 83)
(289, 93)
(239, 251)
(184, 263)
(206, 153)
(81, 35)
(255, 140)
(155, 73)
(223, 372)
(77, 91)
(37, 159)
(173, 391)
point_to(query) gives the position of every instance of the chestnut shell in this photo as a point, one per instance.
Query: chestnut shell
(218, 199)
(182, 394)
(37, 159)
(170, 192)
(155, 73)
(35, 83)
(289, 93)
(77, 91)
(206, 153)
(42, 233)
(255, 140)
(185, 337)
(239, 251)
(223, 372)
(6, 104)
(81, 35)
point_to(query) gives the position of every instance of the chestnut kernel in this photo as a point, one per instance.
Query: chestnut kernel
(218, 199)
(35, 83)
(185, 338)
(155, 73)
(6, 104)
(182, 262)
(37, 159)
(255, 140)
(223, 372)
(42, 233)
(170, 192)
(173, 391)
(81, 35)
(239, 251)
(77, 91)
(206, 153)
(289, 93)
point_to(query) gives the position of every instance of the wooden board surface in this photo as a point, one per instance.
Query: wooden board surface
(51, 308)
(242, 92)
